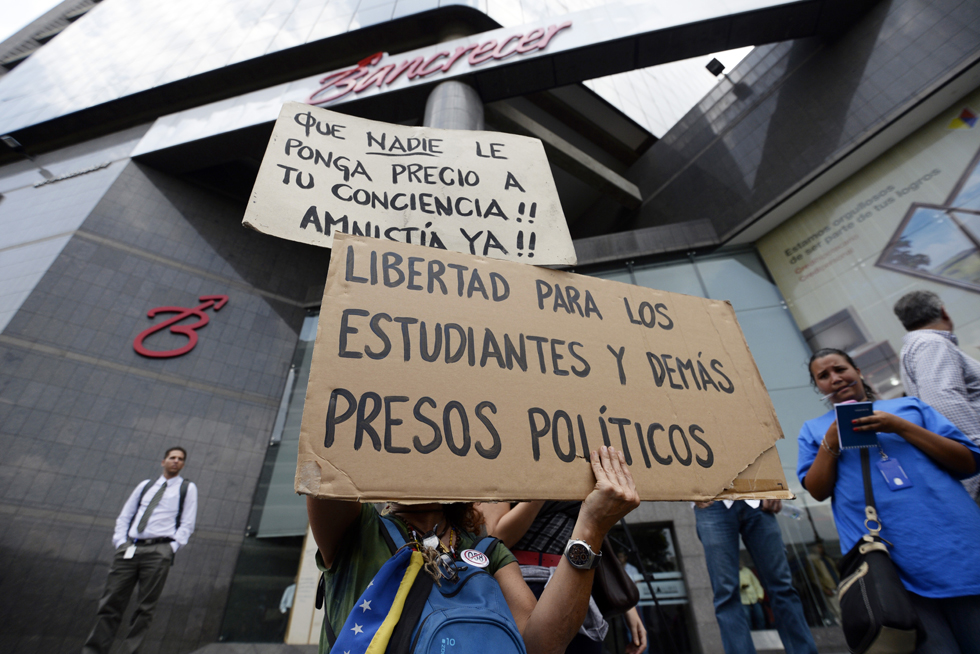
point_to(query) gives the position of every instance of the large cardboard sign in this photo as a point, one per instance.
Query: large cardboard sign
(442, 376)
(485, 193)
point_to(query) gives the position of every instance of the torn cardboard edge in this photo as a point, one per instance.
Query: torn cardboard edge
(756, 482)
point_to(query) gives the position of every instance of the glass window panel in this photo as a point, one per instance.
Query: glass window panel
(283, 512)
(656, 556)
(740, 279)
(779, 351)
(675, 278)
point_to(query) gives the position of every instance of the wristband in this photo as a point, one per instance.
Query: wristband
(834, 454)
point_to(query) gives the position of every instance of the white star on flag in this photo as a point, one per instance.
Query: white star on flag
(365, 605)
(357, 629)
(371, 584)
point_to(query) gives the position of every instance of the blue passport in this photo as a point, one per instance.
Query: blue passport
(848, 437)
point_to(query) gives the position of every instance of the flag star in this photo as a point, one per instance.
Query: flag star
(357, 629)
(365, 606)
(371, 584)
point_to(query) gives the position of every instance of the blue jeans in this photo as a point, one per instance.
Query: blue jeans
(719, 529)
(952, 624)
(755, 615)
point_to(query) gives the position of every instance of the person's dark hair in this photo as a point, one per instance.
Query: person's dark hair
(175, 447)
(464, 516)
(827, 351)
(918, 308)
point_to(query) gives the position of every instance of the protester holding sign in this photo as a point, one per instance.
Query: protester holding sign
(537, 532)
(352, 551)
(928, 517)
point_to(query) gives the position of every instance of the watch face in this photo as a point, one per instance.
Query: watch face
(578, 555)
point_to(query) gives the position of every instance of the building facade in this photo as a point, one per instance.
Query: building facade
(829, 172)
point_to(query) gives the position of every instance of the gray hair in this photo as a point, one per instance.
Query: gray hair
(918, 308)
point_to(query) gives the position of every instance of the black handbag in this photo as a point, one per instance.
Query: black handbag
(612, 589)
(877, 615)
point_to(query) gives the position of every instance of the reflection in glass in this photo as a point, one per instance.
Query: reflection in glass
(670, 628)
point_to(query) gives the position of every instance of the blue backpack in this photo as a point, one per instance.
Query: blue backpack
(467, 615)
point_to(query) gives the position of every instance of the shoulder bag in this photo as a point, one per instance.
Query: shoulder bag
(877, 615)
(612, 589)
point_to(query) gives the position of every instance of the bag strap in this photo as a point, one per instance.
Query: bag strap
(401, 636)
(487, 545)
(321, 591)
(392, 534)
(870, 512)
(180, 504)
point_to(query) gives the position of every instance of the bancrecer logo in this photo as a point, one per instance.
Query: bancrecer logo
(368, 73)
(207, 302)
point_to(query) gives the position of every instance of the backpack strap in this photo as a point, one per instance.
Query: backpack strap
(180, 504)
(321, 591)
(401, 637)
(487, 545)
(146, 487)
(392, 534)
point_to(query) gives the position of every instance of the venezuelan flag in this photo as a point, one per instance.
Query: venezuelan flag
(369, 626)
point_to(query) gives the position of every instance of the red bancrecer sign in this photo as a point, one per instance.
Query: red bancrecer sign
(367, 73)
(189, 330)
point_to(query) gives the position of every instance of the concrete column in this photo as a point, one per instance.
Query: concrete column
(454, 105)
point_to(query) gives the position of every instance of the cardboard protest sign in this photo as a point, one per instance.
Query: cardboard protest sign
(485, 193)
(443, 376)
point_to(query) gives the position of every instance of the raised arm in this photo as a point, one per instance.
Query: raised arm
(551, 623)
(510, 524)
(329, 520)
(822, 476)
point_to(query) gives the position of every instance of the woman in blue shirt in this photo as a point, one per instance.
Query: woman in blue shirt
(931, 521)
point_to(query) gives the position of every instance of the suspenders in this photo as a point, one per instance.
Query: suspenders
(180, 503)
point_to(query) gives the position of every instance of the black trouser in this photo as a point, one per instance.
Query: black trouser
(149, 566)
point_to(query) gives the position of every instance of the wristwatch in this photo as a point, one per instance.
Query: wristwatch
(581, 556)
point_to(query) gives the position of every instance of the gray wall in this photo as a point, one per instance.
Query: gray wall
(83, 418)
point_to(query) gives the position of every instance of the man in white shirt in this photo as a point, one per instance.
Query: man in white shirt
(935, 369)
(155, 522)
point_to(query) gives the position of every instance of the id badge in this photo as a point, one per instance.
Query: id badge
(894, 475)
(130, 552)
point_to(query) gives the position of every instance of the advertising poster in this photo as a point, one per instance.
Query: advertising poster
(910, 220)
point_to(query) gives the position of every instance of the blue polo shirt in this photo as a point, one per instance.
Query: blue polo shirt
(934, 525)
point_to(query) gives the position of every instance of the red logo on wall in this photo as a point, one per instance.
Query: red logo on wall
(207, 301)
(364, 75)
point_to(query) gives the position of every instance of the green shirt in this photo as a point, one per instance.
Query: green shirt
(362, 552)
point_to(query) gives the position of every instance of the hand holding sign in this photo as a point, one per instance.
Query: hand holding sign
(614, 495)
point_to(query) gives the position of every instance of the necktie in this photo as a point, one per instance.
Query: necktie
(149, 508)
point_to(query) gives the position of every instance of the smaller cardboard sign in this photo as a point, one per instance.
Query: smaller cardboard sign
(439, 376)
(483, 193)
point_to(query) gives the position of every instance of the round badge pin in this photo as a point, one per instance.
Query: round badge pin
(475, 558)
